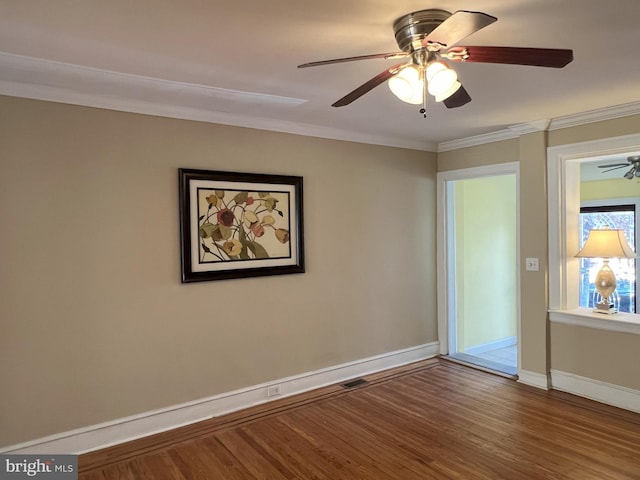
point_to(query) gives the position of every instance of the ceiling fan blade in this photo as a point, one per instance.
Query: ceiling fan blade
(386, 56)
(458, 26)
(616, 168)
(367, 86)
(614, 165)
(539, 57)
(458, 99)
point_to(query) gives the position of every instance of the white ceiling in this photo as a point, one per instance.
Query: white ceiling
(235, 62)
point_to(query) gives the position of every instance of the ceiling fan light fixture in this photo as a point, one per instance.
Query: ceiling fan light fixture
(441, 80)
(407, 85)
(454, 88)
(433, 68)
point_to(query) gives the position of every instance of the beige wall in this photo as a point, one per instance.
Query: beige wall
(530, 151)
(95, 322)
(578, 350)
(605, 356)
(534, 328)
(481, 155)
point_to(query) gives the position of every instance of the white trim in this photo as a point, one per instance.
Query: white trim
(444, 246)
(481, 139)
(489, 346)
(584, 317)
(563, 180)
(29, 77)
(530, 127)
(534, 379)
(451, 260)
(512, 131)
(608, 393)
(444, 272)
(598, 115)
(565, 121)
(148, 423)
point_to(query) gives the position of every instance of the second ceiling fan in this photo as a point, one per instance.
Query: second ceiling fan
(633, 162)
(428, 38)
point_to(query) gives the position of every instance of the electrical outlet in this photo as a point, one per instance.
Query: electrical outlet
(273, 391)
(532, 264)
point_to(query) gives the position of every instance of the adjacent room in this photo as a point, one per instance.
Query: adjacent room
(356, 239)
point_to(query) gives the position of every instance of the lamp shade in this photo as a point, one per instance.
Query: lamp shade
(606, 243)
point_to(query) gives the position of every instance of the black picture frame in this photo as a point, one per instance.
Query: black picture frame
(239, 225)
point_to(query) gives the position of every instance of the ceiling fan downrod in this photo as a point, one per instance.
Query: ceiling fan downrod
(422, 58)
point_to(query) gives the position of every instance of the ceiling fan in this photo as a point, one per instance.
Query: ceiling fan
(428, 38)
(634, 161)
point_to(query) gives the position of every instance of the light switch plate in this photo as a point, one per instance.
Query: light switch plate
(532, 264)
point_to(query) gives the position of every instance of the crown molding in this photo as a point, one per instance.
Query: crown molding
(566, 121)
(592, 116)
(491, 137)
(512, 131)
(41, 79)
(530, 127)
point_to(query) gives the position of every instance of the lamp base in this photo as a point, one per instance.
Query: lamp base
(606, 308)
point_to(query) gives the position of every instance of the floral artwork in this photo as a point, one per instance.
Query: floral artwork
(236, 225)
(242, 225)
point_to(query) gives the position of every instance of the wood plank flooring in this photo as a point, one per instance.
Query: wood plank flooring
(429, 420)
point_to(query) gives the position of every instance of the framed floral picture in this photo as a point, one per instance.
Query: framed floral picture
(237, 225)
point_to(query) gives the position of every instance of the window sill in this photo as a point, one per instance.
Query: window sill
(584, 317)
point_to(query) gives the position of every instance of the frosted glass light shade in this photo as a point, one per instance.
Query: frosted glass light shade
(433, 68)
(407, 85)
(441, 80)
(454, 88)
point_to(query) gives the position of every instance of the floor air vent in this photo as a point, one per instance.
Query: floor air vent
(355, 383)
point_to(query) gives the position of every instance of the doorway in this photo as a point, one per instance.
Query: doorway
(481, 263)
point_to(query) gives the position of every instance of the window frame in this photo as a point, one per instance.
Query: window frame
(563, 180)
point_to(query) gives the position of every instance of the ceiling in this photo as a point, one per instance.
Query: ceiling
(235, 62)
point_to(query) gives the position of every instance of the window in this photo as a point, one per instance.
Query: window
(601, 214)
(563, 175)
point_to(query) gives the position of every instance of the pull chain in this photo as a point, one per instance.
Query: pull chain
(423, 77)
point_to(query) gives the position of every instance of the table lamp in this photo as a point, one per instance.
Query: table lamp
(606, 243)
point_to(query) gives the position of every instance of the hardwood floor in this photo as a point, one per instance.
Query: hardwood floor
(429, 420)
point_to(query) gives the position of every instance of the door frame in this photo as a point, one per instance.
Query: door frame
(445, 251)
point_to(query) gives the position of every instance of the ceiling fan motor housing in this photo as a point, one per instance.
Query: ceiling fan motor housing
(412, 28)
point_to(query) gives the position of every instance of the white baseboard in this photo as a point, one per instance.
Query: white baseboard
(487, 347)
(534, 379)
(125, 429)
(608, 393)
